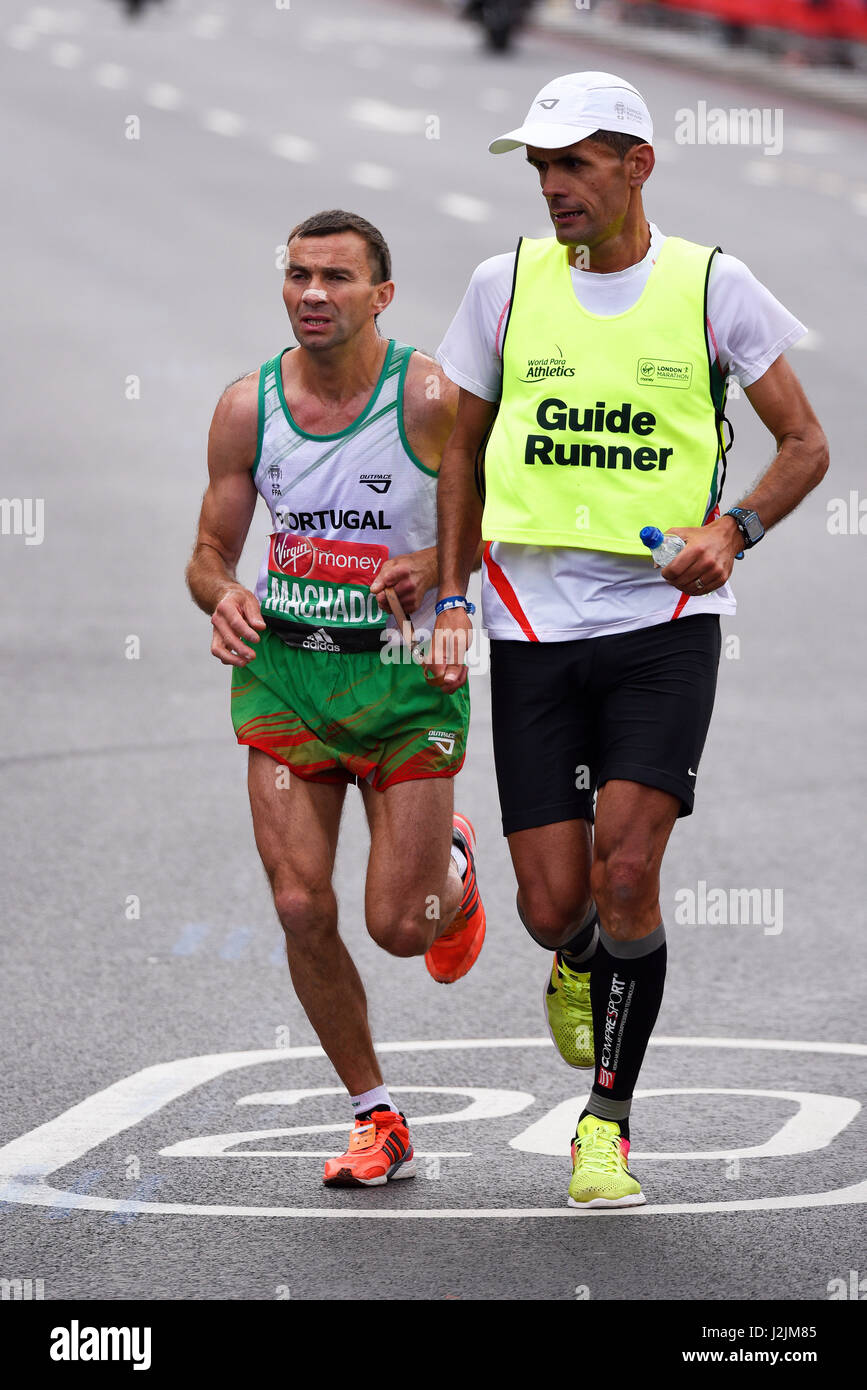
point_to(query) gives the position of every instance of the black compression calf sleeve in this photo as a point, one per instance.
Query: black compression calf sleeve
(626, 987)
(580, 948)
(579, 951)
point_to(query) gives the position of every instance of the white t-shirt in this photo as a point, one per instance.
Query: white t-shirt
(562, 593)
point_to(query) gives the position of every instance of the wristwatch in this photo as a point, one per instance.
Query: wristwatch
(750, 527)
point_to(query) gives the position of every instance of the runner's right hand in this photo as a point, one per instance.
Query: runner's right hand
(446, 658)
(234, 621)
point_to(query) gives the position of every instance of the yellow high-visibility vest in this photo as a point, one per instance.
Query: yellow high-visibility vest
(606, 424)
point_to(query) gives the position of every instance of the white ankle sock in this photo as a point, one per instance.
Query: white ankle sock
(368, 1099)
(459, 859)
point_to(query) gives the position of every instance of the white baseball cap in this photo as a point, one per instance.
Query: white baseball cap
(572, 107)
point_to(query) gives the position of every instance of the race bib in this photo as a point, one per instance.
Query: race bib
(323, 584)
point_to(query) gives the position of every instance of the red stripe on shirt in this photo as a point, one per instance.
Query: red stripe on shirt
(499, 326)
(679, 606)
(507, 594)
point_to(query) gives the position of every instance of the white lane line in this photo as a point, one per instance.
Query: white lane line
(367, 57)
(372, 176)
(799, 175)
(465, 208)
(220, 122)
(760, 171)
(111, 76)
(163, 96)
(293, 147)
(21, 38)
(66, 55)
(494, 99)
(324, 1153)
(793, 174)
(208, 26)
(380, 115)
(801, 141)
(426, 76)
(830, 182)
(49, 21)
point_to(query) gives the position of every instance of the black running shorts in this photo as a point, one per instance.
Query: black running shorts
(569, 716)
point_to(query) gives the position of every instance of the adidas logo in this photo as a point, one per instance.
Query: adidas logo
(319, 641)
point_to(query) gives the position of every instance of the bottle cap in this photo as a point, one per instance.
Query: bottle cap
(651, 536)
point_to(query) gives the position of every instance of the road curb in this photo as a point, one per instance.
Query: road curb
(826, 86)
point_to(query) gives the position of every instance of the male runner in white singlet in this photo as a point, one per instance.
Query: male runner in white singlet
(593, 367)
(342, 437)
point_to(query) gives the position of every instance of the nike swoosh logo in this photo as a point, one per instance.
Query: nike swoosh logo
(691, 773)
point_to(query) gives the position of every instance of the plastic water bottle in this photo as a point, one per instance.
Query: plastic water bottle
(662, 548)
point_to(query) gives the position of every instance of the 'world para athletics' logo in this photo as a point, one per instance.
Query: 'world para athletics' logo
(539, 367)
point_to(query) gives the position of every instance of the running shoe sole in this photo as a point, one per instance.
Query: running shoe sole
(466, 828)
(635, 1199)
(345, 1178)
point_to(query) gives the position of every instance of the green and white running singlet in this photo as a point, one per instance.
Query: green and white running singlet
(330, 691)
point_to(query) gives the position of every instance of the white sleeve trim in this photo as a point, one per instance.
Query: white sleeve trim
(749, 375)
(461, 379)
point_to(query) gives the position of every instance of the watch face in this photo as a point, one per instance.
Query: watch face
(753, 527)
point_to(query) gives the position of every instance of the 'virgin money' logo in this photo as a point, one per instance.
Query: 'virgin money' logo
(293, 554)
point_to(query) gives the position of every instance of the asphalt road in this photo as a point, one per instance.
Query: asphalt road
(140, 277)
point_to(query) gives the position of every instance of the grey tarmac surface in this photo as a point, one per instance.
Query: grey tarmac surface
(155, 258)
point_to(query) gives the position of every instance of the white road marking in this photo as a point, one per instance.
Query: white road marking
(21, 37)
(372, 176)
(464, 207)
(802, 141)
(66, 55)
(368, 57)
(163, 96)
(110, 75)
(859, 202)
(329, 1153)
(790, 173)
(380, 115)
(208, 26)
(818, 1120)
(494, 99)
(486, 1103)
(26, 1162)
(293, 147)
(762, 171)
(831, 183)
(220, 122)
(426, 76)
(49, 21)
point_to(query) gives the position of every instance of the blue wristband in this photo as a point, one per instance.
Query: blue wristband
(455, 601)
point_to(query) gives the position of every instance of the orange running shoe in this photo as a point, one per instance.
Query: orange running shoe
(453, 953)
(380, 1150)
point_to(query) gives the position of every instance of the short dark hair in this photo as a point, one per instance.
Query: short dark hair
(336, 220)
(617, 141)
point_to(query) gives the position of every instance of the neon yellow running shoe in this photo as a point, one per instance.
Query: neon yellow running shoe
(600, 1177)
(568, 1013)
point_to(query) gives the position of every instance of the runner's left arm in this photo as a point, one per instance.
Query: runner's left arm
(800, 464)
